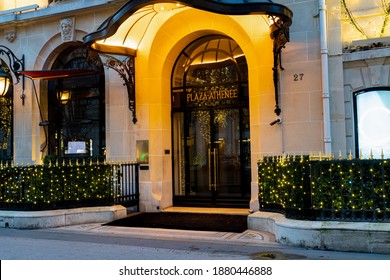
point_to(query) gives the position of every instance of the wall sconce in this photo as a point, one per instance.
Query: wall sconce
(4, 81)
(64, 96)
(14, 66)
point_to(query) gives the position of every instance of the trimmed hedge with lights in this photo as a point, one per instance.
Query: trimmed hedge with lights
(348, 190)
(57, 186)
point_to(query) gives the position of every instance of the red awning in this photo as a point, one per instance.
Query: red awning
(60, 74)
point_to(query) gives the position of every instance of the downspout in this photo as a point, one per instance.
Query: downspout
(325, 77)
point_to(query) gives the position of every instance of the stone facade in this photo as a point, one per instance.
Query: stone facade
(38, 35)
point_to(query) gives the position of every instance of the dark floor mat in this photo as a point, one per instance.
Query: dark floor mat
(185, 221)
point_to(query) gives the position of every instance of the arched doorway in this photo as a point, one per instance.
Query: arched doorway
(6, 119)
(76, 108)
(210, 122)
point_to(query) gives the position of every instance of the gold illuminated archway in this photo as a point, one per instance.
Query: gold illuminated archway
(122, 33)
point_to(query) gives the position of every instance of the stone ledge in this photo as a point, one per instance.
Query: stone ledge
(59, 218)
(367, 54)
(324, 235)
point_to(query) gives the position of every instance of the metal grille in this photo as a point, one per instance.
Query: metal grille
(127, 187)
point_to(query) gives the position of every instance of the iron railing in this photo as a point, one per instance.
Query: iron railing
(126, 193)
(341, 190)
(61, 186)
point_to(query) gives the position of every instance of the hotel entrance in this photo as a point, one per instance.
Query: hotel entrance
(188, 94)
(211, 137)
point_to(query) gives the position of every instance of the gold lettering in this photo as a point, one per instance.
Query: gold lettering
(212, 95)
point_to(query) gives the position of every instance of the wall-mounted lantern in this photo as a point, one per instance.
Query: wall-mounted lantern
(15, 66)
(64, 96)
(4, 82)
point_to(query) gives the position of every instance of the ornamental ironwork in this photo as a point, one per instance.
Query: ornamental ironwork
(126, 70)
(280, 35)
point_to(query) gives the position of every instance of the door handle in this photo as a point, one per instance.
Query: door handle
(215, 168)
(209, 161)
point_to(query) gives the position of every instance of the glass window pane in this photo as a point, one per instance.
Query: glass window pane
(373, 123)
(77, 122)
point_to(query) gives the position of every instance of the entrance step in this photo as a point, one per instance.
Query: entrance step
(230, 211)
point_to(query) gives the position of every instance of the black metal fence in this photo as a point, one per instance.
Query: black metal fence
(343, 190)
(127, 191)
(68, 185)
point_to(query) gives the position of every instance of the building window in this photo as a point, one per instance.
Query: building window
(372, 122)
(77, 109)
(6, 123)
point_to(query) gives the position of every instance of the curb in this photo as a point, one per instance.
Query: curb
(360, 237)
(59, 218)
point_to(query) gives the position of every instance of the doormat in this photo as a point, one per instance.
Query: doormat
(185, 221)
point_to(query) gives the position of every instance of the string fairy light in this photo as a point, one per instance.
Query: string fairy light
(55, 182)
(345, 188)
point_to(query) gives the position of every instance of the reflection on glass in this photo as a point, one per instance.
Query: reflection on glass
(142, 151)
(373, 123)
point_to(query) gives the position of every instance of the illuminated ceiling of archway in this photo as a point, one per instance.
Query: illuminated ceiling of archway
(124, 31)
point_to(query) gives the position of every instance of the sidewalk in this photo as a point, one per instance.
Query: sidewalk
(247, 237)
(264, 228)
(251, 244)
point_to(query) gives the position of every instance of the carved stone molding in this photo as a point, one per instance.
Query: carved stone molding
(67, 26)
(10, 36)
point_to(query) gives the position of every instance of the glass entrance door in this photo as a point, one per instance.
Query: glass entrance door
(210, 124)
(216, 157)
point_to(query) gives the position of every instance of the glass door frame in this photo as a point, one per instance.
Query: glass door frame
(216, 194)
(223, 85)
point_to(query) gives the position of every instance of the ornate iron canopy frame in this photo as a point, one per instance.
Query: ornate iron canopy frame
(16, 65)
(126, 70)
(280, 35)
(280, 15)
